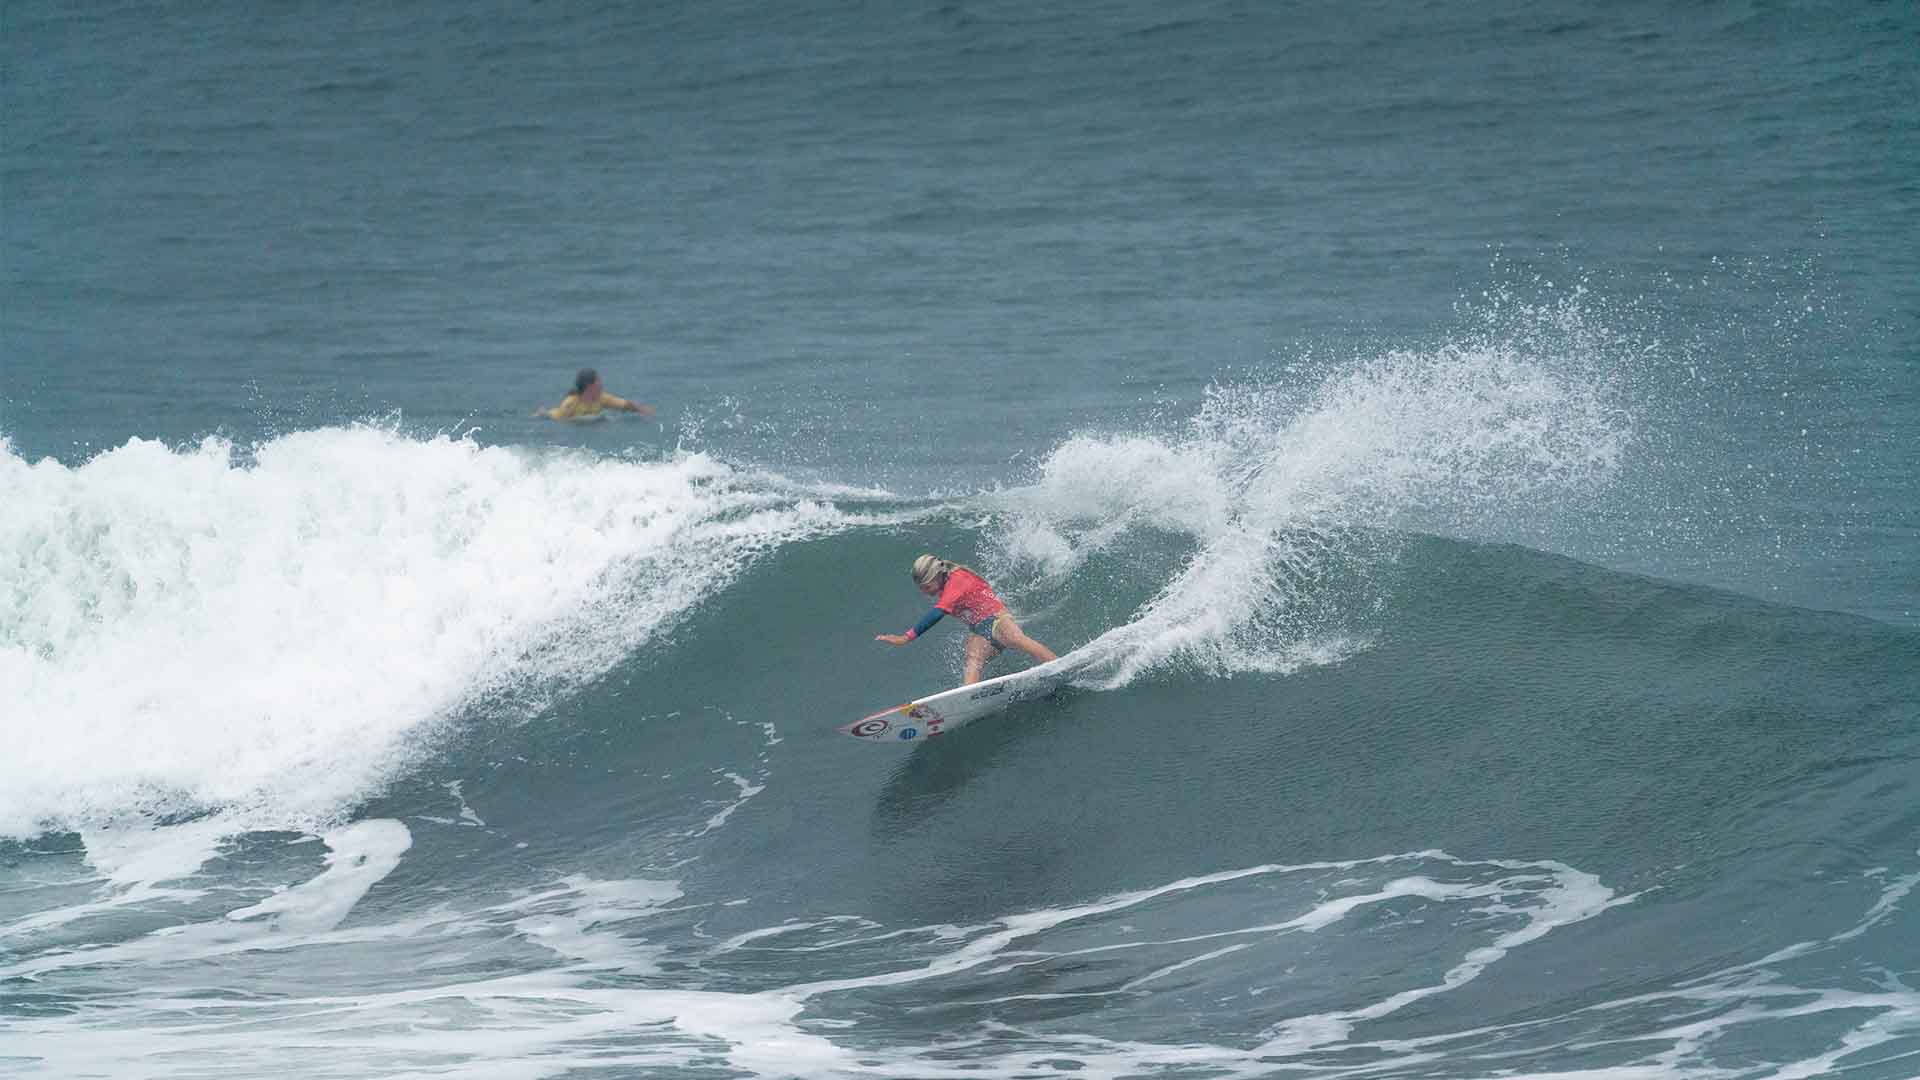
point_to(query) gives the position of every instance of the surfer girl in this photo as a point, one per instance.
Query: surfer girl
(589, 398)
(959, 590)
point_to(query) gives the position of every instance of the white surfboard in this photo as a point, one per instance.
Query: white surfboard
(935, 715)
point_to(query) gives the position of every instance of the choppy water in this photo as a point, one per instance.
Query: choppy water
(1477, 445)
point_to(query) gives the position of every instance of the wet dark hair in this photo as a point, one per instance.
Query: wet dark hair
(584, 379)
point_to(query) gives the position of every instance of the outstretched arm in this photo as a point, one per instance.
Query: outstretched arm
(925, 624)
(614, 401)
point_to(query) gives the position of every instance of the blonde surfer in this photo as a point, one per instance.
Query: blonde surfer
(960, 590)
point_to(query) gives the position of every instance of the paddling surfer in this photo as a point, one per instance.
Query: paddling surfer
(960, 590)
(589, 399)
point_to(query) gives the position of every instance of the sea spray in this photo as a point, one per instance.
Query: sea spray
(1292, 487)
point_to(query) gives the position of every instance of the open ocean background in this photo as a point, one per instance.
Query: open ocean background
(1478, 443)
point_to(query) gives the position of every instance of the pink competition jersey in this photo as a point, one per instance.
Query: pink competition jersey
(968, 596)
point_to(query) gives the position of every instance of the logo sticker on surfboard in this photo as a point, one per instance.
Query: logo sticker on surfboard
(871, 726)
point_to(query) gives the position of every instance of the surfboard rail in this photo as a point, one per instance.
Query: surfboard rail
(936, 714)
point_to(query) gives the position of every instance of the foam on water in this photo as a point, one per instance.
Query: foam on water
(357, 857)
(182, 630)
(592, 989)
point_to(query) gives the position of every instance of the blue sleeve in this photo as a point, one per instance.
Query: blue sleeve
(926, 621)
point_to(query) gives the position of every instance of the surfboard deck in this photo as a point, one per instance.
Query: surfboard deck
(936, 714)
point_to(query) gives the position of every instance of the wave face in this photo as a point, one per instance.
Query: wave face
(524, 761)
(1609, 825)
(275, 632)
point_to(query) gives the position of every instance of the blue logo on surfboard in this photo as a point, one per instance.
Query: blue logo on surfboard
(908, 733)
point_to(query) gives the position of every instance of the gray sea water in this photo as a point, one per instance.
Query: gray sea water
(1476, 445)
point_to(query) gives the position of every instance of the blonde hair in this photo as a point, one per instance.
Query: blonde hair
(928, 569)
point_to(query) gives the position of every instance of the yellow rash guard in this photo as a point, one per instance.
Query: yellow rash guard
(575, 409)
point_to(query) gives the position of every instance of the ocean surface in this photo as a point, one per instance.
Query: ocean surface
(1475, 446)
